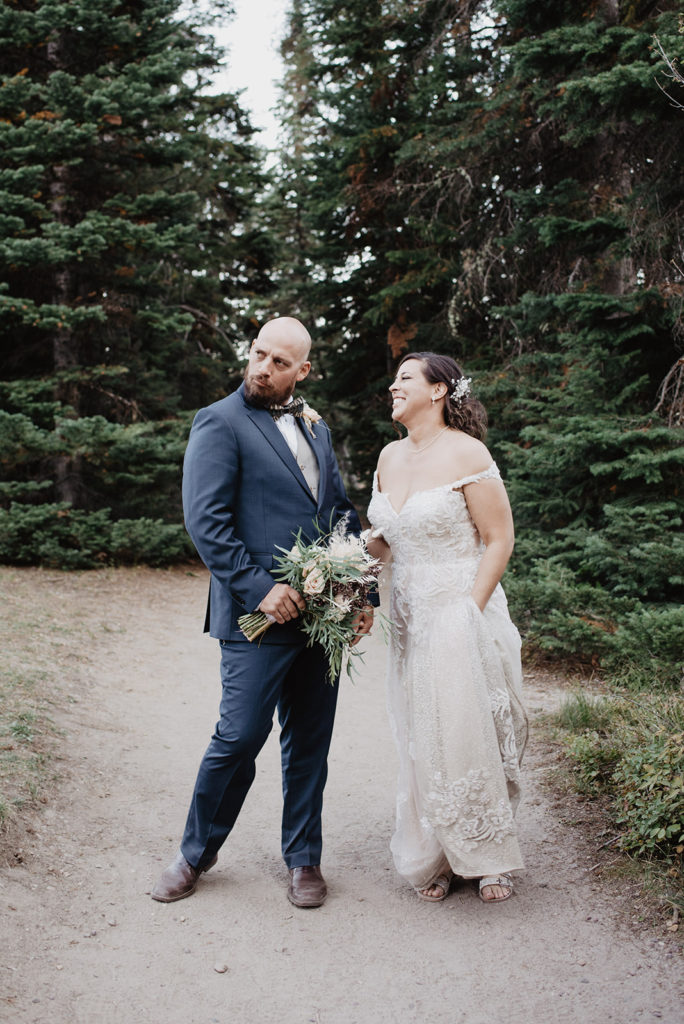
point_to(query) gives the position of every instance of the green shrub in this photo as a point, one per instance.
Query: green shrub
(596, 757)
(649, 784)
(636, 645)
(54, 535)
(632, 750)
(560, 614)
(149, 541)
(61, 537)
(647, 649)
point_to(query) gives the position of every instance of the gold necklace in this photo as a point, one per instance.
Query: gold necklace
(417, 451)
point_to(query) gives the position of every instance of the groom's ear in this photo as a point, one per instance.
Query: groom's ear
(303, 370)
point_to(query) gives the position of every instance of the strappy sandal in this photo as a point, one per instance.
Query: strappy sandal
(503, 881)
(443, 881)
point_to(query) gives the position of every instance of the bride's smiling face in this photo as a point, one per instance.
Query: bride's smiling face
(411, 391)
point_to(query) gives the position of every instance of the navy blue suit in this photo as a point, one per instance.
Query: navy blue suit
(244, 495)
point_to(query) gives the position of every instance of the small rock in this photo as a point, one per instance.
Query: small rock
(220, 968)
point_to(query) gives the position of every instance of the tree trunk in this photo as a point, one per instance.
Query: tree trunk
(67, 468)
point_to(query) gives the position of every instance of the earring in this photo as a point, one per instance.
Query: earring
(433, 399)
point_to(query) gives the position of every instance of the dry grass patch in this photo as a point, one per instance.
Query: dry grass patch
(35, 638)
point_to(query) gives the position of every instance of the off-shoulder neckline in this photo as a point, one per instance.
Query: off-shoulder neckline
(453, 486)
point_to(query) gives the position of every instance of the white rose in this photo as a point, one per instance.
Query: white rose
(314, 582)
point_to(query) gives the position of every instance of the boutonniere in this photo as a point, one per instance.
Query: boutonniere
(310, 416)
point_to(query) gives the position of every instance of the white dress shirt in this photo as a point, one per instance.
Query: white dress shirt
(288, 428)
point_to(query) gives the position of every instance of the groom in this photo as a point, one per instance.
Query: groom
(255, 474)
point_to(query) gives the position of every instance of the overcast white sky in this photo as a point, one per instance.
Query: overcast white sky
(254, 64)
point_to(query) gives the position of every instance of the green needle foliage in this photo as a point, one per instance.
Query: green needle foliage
(497, 180)
(502, 181)
(127, 258)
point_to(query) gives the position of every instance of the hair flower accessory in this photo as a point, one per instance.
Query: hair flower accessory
(461, 389)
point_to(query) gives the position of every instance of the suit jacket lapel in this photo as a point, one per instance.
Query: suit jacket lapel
(262, 419)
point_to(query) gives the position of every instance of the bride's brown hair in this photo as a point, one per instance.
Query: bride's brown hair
(466, 414)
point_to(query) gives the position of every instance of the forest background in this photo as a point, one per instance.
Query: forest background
(500, 181)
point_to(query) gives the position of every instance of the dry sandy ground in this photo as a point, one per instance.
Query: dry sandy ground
(83, 942)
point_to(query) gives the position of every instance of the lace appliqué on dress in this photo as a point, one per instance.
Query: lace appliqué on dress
(463, 809)
(500, 703)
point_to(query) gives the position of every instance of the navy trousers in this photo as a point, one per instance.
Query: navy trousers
(257, 679)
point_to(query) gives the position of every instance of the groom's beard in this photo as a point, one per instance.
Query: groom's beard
(263, 395)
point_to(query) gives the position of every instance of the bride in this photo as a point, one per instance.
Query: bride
(454, 677)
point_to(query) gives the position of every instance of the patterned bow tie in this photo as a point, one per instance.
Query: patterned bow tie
(295, 408)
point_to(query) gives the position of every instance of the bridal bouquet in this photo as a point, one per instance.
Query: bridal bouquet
(334, 574)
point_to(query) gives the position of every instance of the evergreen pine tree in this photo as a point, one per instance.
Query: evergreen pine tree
(127, 261)
(367, 81)
(502, 181)
(594, 222)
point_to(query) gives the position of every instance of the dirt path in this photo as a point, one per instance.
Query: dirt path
(83, 942)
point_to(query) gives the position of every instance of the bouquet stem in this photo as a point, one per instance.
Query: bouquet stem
(254, 625)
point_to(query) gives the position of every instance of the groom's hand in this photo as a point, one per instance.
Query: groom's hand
(362, 623)
(283, 603)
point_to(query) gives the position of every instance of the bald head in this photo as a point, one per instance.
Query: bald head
(278, 360)
(286, 330)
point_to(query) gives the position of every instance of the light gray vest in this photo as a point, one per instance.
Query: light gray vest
(307, 462)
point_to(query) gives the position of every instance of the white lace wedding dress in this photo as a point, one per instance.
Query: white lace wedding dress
(454, 692)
